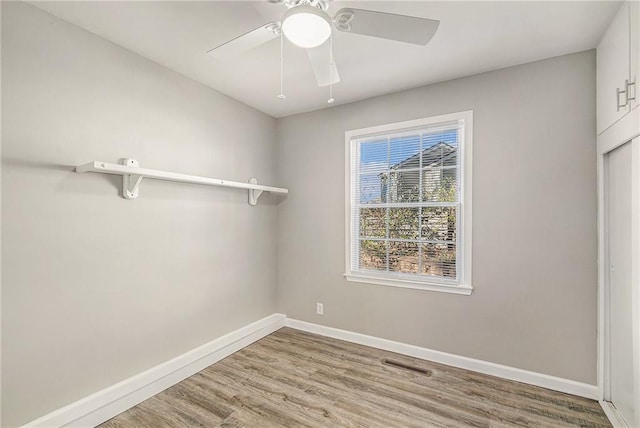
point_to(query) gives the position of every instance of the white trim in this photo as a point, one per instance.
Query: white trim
(408, 124)
(624, 130)
(635, 270)
(612, 414)
(416, 285)
(602, 263)
(464, 283)
(466, 190)
(480, 366)
(111, 401)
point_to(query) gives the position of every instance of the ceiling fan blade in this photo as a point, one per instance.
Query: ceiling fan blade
(325, 73)
(246, 41)
(410, 29)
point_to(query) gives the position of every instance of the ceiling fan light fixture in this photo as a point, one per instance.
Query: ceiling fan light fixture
(306, 26)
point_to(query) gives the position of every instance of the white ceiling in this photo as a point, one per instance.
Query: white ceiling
(473, 37)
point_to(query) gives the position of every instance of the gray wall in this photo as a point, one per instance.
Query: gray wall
(534, 223)
(96, 288)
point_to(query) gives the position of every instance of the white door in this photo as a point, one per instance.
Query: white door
(618, 198)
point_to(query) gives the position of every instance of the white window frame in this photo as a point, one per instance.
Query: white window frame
(465, 151)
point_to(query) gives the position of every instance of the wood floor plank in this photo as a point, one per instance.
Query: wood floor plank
(583, 411)
(280, 380)
(435, 391)
(297, 379)
(378, 409)
(325, 386)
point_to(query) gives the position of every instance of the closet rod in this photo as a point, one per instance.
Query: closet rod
(132, 175)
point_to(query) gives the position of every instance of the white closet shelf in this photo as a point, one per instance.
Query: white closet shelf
(132, 175)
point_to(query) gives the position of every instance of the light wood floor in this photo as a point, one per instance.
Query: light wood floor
(296, 379)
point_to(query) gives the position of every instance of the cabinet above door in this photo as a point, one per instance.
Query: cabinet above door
(634, 49)
(613, 70)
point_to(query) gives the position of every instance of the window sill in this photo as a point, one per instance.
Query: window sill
(416, 285)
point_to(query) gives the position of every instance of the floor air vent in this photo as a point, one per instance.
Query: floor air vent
(404, 366)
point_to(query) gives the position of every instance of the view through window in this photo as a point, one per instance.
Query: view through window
(406, 203)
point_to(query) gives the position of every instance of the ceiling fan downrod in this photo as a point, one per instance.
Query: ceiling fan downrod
(320, 4)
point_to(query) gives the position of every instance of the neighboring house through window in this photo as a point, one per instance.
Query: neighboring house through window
(409, 204)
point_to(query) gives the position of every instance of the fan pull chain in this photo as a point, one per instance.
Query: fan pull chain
(282, 96)
(331, 100)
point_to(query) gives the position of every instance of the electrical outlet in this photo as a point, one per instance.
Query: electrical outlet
(319, 308)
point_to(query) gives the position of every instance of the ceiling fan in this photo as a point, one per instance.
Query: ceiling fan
(307, 24)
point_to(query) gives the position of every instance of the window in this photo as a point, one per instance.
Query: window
(409, 204)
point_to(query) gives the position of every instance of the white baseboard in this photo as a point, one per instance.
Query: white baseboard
(613, 415)
(109, 402)
(480, 366)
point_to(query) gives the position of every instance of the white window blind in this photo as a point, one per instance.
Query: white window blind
(406, 203)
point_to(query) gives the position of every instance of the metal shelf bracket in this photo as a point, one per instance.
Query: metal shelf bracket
(131, 182)
(254, 194)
